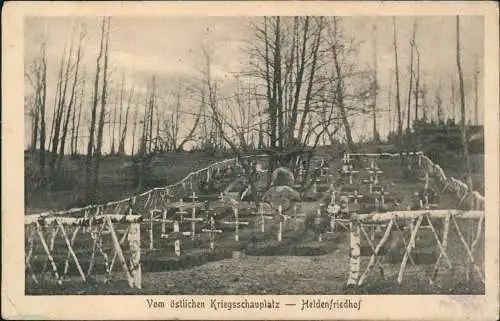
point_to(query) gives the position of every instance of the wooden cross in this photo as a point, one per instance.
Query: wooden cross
(212, 231)
(296, 215)
(193, 198)
(355, 196)
(372, 185)
(379, 197)
(208, 210)
(151, 221)
(263, 217)
(351, 172)
(164, 213)
(181, 210)
(193, 219)
(163, 221)
(282, 217)
(374, 175)
(177, 234)
(236, 224)
(318, 223)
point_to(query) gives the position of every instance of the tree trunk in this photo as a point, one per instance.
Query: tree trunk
(90, 191)
(389, 100)
(100, 129)
(134, 129)
(77, 131)
(339, 92)
(476, 97)
(375, 85)
(408, 110)
(60, 111)
(277, 119)
(398, 100)
(112, 128)
(270, 92)
(123, 134)
(151, 110)
(417, 83)
(35, 116)
(42, 112)
(70, 105)
(307, 103)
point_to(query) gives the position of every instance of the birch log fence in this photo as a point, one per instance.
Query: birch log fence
(120, 221)
(99, 220)
(451, 217)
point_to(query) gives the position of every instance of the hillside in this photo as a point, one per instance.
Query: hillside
(115, 179)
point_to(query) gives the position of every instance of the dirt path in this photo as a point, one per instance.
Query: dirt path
(257, 274)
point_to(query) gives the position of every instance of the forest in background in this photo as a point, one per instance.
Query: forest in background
(301, 87)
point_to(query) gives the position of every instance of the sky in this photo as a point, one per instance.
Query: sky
(170, 49)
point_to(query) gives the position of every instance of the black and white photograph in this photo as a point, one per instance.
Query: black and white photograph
(250, 156)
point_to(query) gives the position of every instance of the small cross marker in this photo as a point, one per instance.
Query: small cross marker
(212, 231)
(236, 224)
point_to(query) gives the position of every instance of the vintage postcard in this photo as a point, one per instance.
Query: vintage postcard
(250, 160)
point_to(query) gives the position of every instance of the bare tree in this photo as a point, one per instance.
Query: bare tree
(335, 46)
(439, 105)
(123, 132)
(476, 95)
(134, 128)
(398, 99)
(376, 136)
(71, 101)
(102, 114)
(37, 105)
(412, 47)
(314, 62)
(453, 101)
(76, 128)
(57, 122)
(90, 192)
(417, 81)
(389, 102)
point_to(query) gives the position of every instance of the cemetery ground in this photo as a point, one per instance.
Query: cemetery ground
(297, 265)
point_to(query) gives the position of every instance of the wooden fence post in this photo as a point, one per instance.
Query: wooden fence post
(354, 252)
(134, 241)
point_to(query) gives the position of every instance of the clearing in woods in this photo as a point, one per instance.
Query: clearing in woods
(282, 273)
